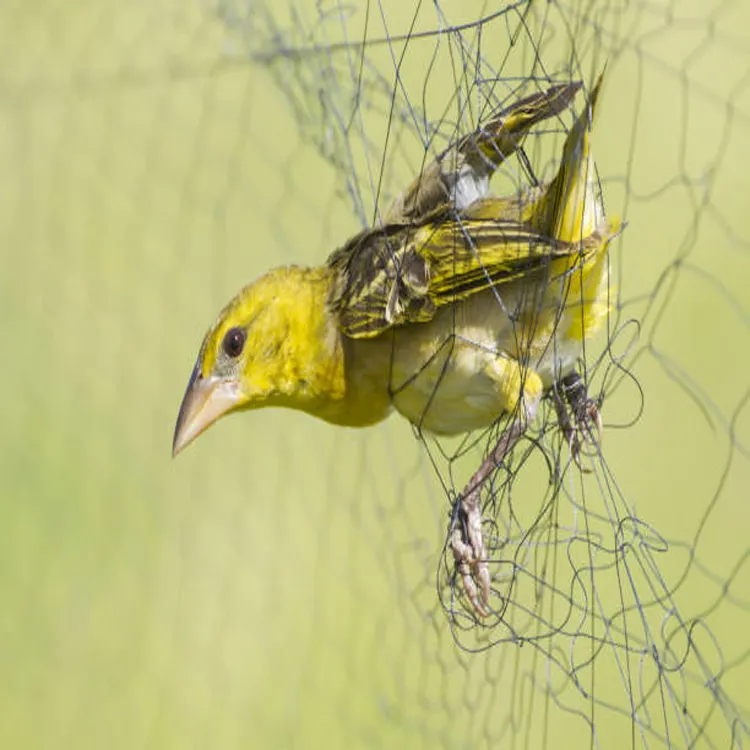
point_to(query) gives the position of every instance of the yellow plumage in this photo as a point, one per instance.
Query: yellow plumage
(450, 316)
(459, 308)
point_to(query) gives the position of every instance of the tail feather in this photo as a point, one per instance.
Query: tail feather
(570, 209)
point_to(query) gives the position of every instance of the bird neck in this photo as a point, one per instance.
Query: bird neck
(307, 353)
(314, 369)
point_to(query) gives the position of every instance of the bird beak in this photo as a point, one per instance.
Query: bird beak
(205, 400)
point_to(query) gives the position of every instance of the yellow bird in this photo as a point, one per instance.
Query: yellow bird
(460, 308)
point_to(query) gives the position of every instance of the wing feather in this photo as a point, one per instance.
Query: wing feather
(460, 175)
(403, 275)
(432, 253)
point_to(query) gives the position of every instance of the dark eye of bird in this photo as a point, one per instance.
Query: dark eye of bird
(234, 340)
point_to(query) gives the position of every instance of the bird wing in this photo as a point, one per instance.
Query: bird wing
(570, 206)
(402, 275)
(460, 175)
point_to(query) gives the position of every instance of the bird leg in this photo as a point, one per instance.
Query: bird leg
(584, 411)
(465, 530)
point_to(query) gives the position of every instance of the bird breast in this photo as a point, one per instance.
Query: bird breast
(443, 376)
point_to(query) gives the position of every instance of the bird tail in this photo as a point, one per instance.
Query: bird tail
(570, 208)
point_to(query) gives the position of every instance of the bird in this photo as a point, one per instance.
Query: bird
(456, 309)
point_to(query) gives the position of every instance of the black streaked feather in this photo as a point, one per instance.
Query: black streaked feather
(401, 275)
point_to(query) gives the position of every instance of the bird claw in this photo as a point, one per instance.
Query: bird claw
(469, 552)
(585, 411)
(465, 533)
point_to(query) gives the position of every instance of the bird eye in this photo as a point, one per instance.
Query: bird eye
(234, 341)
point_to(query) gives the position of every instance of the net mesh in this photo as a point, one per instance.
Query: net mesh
(285, 583)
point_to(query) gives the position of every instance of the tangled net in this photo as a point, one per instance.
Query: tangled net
(585, 580)
(158, 151)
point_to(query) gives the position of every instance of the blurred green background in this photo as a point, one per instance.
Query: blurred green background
(274, 586)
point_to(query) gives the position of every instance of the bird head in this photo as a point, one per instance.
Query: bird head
(271, 345)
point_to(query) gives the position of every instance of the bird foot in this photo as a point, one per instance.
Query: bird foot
(469, 552)
(577, 431)
(465, 533)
